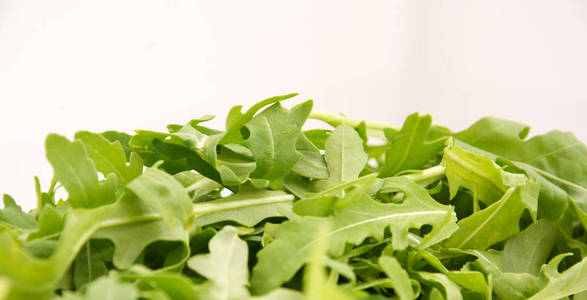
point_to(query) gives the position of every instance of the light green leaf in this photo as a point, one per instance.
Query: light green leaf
(167, 285)
(516, 286)
(441, 281)
(247, 208)
(496, 223)
(90, 263)
(312, 164)
(50, 222)
(351, 224)
(131, 239)
(571, 281)
(74, 169)
(325, 202)
(13, 216)
(165, 194)
(111, 288)
(558, 157)
(225, 265)
(528, 251)
(398, 276)
(109, 157)
(316, 286)
(236, 119)
(409, 148)
(272, 270)
(475, 172)
(272, 136)
(280, 294)
(345, 157)
(296, 185)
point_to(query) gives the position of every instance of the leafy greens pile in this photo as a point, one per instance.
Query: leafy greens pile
(268, 210)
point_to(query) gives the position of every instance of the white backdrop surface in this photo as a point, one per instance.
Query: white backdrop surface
(67, 65)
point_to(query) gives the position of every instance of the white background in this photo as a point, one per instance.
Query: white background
(67, 65)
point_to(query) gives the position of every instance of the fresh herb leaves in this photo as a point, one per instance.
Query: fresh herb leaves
(265, 210)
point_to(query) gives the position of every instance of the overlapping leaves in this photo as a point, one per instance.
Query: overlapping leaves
(265, 210)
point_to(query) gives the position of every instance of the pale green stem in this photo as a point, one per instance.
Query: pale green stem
(371, 284)
(374, 129)
(427, 176)
(208, 208)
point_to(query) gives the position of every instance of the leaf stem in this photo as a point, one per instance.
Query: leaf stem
(208, 208)
(427, 176)
(366, 285)
(374, 129)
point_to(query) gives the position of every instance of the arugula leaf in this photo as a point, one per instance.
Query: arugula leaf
(107, 288)
(345, 157)
(236, 119)
(398, 276)
(74, 169)
(247, 208)
(410, 148)
(555, 158)
(90, 263)
(351, 224)
(165, 194)
(110, 158)
(316, 286)
(225, 265)
(496, 223)
(312, 163)
(13, 216)
(451, 290)
(303, 212)
(272, 137)
(50, 223)
(528, 251)
(569, 282)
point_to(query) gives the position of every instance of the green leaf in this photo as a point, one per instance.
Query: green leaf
(165, 285)
(528, 251)
(50, 223)
(165, 194)
(295, 185)
(312, 164)
(318, 137)
(225, 265)
(324, 203)
(516, 286)
(345, 157)
(197, 148)
(272, 136)
(410, 149)
(109, 157)
(90, 263)
(76, 171)
(441, 281)
(316, 286)
(13, 216)
(572, 281)
(557, 157)
(130, 240)
(351, 224)
(236, 119)
(247, 208)
(496, 223)
(122, 138)
(111, 288)
(398, 276)
(475, 172)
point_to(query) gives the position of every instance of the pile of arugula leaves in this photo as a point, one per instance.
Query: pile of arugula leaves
(269, 210)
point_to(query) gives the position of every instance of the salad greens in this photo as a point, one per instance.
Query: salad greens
(269, 209)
